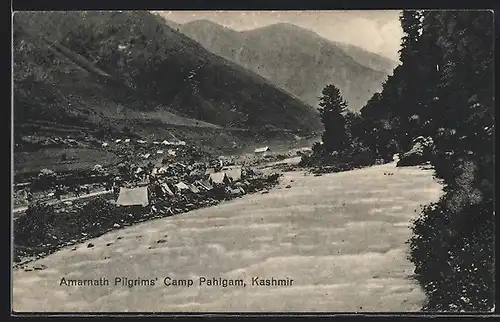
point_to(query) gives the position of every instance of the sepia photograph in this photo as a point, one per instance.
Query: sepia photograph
(180, 161)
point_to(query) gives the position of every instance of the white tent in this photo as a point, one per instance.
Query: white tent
(219, 178)
(233, 173)
(262, 150)
(133, 197)
(182, 186)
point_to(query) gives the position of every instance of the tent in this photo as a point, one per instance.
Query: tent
(234, 173)
(205, 185)
(127, 140)
(262, 151)
(182, 186)
(209, 170)
(194, 189)
(133, 197)
(166, 189)
(182, 143)
(219, 178)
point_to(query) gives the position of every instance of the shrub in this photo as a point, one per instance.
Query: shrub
(33, 228)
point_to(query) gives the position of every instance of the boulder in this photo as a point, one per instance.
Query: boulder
(419, 153)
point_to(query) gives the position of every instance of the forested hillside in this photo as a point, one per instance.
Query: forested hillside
(442, 95)
(85, 66)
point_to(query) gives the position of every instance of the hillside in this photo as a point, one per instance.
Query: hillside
(369, 59)
(297, 59)
(114, 68)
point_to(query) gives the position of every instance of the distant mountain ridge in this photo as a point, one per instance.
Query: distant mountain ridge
(296, 59)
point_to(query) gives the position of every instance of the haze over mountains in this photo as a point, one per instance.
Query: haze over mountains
(130, 67)
(296, 59)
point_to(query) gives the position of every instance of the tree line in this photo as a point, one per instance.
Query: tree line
(443, 89)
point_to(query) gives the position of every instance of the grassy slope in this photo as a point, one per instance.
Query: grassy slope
(158, 63)
(60, 89)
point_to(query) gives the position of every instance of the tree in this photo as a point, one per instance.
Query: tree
(332, 106)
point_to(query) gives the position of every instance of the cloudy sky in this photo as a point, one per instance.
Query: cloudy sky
(378, 31)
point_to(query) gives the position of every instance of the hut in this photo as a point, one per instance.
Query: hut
(262, 152)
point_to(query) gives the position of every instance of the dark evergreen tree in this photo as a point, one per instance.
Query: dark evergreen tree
(331, 112)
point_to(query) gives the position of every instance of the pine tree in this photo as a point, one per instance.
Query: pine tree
(332, 106)
(431, 62)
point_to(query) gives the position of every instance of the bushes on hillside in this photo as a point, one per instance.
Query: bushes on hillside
(452, 249)
(34, 228)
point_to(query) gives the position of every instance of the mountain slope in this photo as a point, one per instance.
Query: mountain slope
(152, 69)
(297, 59)
(369, 59)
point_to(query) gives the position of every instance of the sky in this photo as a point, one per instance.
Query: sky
(378, 31)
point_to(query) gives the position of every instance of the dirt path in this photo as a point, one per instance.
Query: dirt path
(54, 202)
(340, 237)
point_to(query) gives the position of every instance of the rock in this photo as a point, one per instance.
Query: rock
(288, 187)
(28, 269)
(418, 154)
(161, 241)
(90, 245)
(119, 237)
(116, 225)
(73, 249)
(264, 192)
(39, 267)
(109, 244)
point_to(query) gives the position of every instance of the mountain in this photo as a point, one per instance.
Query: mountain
(297, 59)
(130, 67)
(366, 58)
